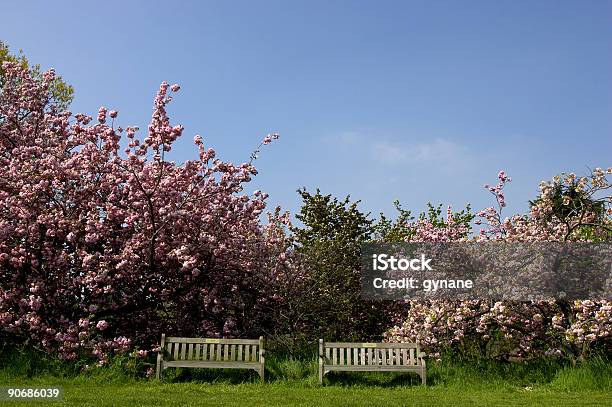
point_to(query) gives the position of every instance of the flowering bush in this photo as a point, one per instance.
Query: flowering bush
(568, 208)
(102, 249)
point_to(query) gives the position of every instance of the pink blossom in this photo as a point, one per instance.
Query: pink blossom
(102, 115)
(117, 228)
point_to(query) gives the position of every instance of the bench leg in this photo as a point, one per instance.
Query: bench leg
(424, 378)
(262, 374)
(321, 361)
(158, 370)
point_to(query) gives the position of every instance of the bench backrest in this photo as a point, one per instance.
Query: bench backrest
(213, 350)
(364, 353)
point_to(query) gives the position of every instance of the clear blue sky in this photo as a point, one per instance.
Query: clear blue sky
(416, 101)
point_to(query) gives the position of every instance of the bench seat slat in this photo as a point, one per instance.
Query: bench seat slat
(214, 365)
(372, 368)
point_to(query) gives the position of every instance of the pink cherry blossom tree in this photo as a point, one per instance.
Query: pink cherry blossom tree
(105, 243)
(569, 208)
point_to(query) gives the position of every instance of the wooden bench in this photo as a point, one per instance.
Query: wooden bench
(211, 353)
(377, 357)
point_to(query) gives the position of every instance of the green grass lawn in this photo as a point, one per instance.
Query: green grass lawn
(292, 382)
(281, 394)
